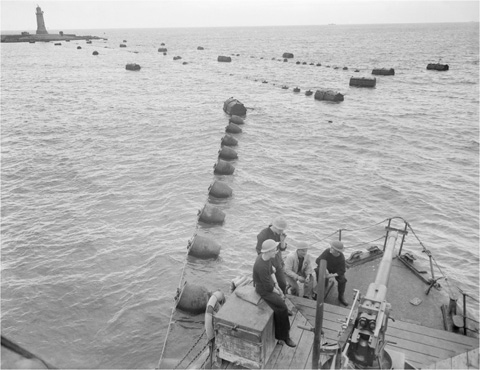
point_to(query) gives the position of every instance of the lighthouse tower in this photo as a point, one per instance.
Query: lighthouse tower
(41, 30)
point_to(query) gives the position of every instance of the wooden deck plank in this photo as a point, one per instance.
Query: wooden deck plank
(274, 356)
(287, 353)
(396, 333)
(304, 346)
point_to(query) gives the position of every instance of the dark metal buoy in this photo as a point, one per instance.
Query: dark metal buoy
(223, 168)
(219, 189)
(203, 247)
(227, 153)
(229, 140)
(237, 120)
(329, 95)
(233, 128)
(211, 215)
(192, 298)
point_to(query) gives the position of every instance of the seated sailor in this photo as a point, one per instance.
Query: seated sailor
(335, 267)
(267, 287)
(299, 269)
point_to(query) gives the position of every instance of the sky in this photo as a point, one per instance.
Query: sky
(19, 15)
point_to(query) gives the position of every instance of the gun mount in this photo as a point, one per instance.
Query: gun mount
(362, 340)
(367, 340)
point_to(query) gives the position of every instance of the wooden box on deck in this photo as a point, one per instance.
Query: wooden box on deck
(245, 332)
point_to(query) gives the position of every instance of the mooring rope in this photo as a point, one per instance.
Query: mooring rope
(177, 296)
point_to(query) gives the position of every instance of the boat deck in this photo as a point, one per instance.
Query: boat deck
(422, 346)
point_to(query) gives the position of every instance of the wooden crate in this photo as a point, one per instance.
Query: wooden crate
(245, 332)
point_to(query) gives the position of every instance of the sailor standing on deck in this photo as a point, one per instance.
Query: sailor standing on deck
(267, 287)
(275, 231)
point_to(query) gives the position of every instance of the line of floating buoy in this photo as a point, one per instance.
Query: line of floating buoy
(193, 298)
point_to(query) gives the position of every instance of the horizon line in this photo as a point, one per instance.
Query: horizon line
(249, 26)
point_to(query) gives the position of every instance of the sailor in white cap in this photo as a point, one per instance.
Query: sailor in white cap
(299, 271)
(275, 231)
(336, 267)
(267, 288)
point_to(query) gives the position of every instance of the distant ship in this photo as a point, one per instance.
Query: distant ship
(42, 34)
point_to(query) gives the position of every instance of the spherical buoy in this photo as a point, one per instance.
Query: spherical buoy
(223, 168)
(219, 189)
(79, 47)
(229, 140)
(211, 215)
(237, 120)
(193, 298)
(95, 53)
(227, 153)
(233, 128)
(203, 247)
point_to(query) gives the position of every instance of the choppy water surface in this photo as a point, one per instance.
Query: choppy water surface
(104, 170)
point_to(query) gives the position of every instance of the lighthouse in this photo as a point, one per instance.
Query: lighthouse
(41, 30)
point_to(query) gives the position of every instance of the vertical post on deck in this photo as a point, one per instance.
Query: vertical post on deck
(319, 313)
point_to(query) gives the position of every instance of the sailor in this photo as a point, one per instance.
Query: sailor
(299, 269)
(275, 231)
(267, 287)
(214, 303)
(335, 267)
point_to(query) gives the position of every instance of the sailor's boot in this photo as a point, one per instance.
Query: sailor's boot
(342, 282)
(342, 300)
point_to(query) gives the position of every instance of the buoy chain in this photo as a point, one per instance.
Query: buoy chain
(199, 353)
(190, 350)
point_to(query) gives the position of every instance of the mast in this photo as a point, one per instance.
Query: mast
(41, 30)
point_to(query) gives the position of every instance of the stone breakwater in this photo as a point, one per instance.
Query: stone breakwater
(46, 38)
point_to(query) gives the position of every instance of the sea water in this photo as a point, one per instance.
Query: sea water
(104, 170)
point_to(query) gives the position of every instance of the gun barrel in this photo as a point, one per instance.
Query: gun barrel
(383, 273)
